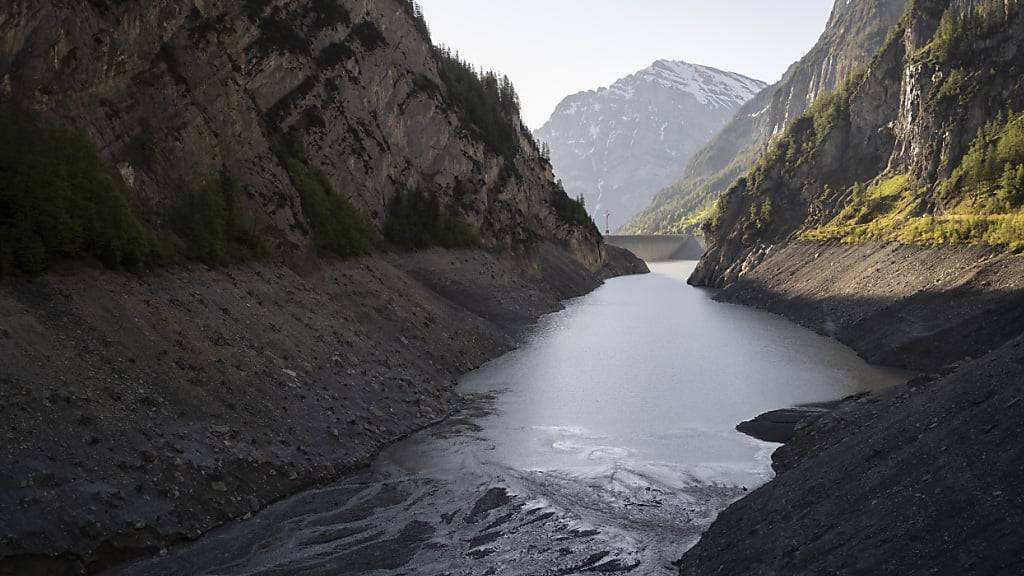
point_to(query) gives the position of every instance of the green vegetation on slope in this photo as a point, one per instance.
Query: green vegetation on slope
(57, 202)
(212, 228)
(959, 31)
(952, 48)
(486, 102)
(982, 202)
(337, 227)
(990, 176)
(417, 220)
(415, 11)
(572, 211)
(806, 134)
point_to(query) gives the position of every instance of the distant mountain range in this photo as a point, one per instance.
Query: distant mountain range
(855, 30)
(620, 145)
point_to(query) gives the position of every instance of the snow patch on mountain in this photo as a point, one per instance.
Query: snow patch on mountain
(618, 145)
(710, 86)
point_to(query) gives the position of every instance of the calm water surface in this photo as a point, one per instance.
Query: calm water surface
(607, 443)
(650, 370)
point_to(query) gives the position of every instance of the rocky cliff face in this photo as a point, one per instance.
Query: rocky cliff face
(887, 217)
(886, 157)
(909, 152)
(617, 146)
(855, 30)
(176, 92)
(141, 410)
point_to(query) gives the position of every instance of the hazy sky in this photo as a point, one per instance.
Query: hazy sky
(553, 48)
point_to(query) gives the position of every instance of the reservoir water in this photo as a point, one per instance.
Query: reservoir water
(606, 443)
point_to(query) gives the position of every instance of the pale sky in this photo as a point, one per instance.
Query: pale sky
(553, 48)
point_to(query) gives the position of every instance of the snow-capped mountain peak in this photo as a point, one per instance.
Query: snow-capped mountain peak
(619, 145)
(710, 86)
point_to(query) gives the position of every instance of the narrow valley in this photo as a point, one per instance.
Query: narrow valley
(304, 287)
(559, 461)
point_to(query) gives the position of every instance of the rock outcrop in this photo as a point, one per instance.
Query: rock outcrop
(175, 93)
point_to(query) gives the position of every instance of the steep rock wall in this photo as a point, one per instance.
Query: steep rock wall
(886, 121)
(174, 92)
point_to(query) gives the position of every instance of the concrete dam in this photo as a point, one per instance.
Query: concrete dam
(660, 248)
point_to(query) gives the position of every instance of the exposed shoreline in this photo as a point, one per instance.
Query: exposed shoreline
(887, 482)
(915, 307)
(778, 426)
(203, 396)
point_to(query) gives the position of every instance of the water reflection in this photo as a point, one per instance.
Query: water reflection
(606, 444)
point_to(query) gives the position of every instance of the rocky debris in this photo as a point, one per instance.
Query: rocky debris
(119, 397)
(372, 521)
(920, 479)
(779, 425)
(923, 308)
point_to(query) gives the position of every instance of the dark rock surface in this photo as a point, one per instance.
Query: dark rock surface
(910, 306)
(779, 425)
(175, 93)
(622, 262)
(922, 479)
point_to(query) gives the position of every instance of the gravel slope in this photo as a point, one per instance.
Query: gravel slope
(922, 479)
(141, 411)
(908, 306)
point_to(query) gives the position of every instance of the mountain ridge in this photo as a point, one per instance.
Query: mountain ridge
(616, 144)
(852, 34)
(275, 95)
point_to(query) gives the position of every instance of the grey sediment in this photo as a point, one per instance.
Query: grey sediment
(167, 404)
(778, 426)
(921, 478)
